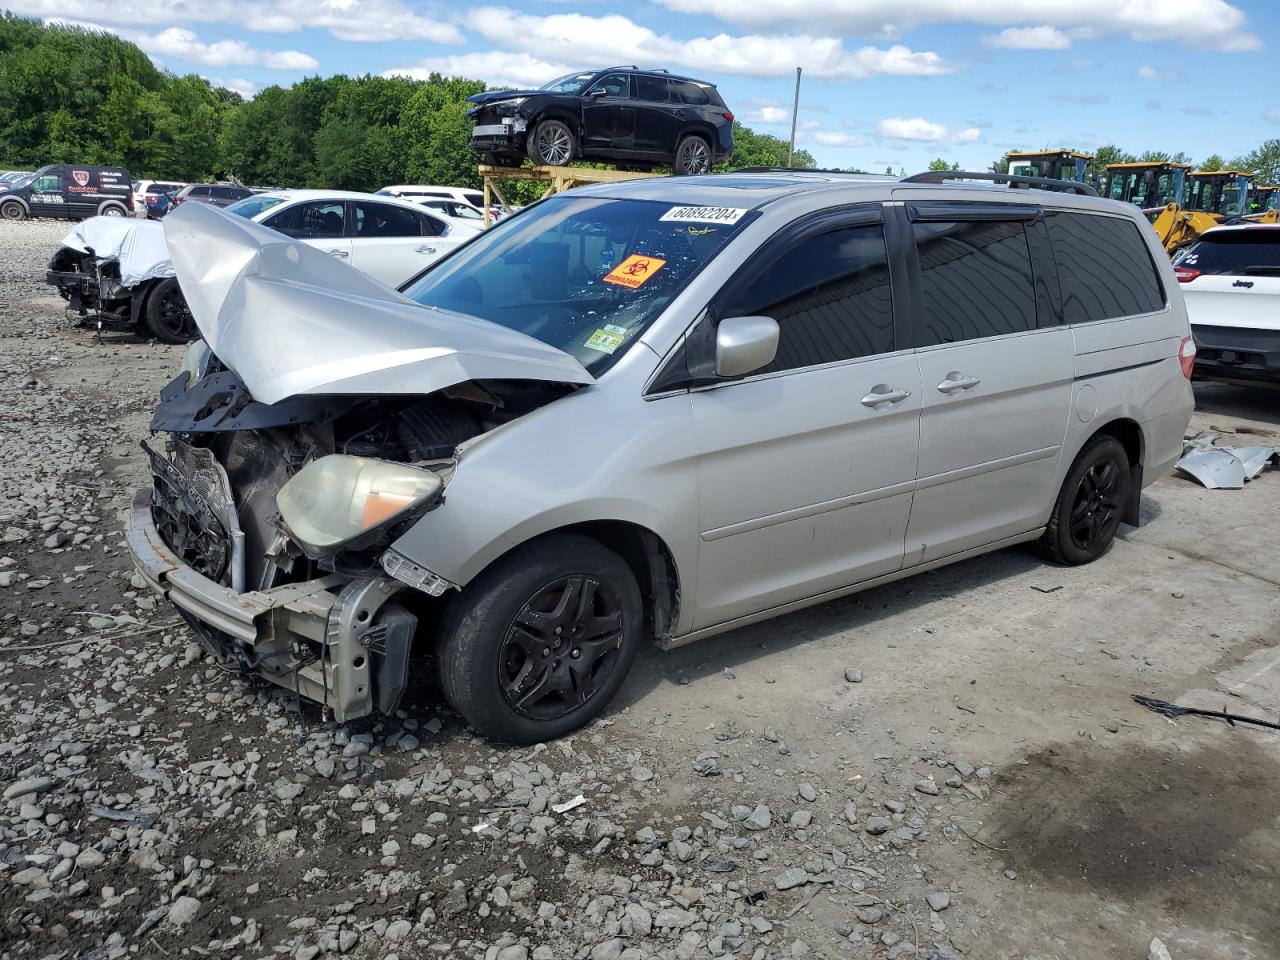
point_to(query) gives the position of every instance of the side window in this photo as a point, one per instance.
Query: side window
(199, 192)
(975, 279)
(653, 89)
(51, 183)
(830, 295)
(310, 221)
(384, 220)
(614, 85)
(432, 226)
(475, 199)
(1104, 267)
(682, 91)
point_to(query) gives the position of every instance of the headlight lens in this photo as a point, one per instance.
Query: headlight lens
(195, 360)
(514, 102)
(337, 498)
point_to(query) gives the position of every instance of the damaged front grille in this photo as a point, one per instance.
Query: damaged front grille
(187, 524)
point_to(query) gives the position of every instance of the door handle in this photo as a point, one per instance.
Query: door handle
(340, 254)
(882, 397)
(956, 383)
(425, 249)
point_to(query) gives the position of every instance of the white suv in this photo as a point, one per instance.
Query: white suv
(1230, 279)
(417, 192)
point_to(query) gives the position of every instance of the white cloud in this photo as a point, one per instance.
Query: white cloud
(355, 20)
(924, 131)
(515, 70)
(1029, 38)
(601, 41)
(1215, 24)
(1170, 75)
(834, 138)
(768, 115)
(245, 88)
(177, 43)
(1272, 116)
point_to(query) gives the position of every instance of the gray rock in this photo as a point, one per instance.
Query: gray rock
(90, 859)
(938, 901)
(513, 952)
(927, 786)
(895, 806)
(641, 774)
(792, 877)
(1156, 950)
(609, 950)
(964, 769)
(807, 792)
(878, 825)
(853, 674)
(801, 819)
(183, 911)
(27, 787)
(870, 915)
(851, 812)
(760, 819)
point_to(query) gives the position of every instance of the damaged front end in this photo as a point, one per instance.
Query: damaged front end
(317, 426)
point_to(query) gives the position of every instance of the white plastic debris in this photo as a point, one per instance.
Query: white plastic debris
(568, 805)
(1223, 468)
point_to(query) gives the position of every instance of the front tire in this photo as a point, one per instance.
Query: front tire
(167, 315)
(13, 210)
(551, 143)
(693, 156)
(1090, 504)
(112, 210)
(541, 641)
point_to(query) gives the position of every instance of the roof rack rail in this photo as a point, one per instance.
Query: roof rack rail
(943, 176)
(847, 173)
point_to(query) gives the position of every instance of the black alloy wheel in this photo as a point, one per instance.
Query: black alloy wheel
(167, 314)
(693, 156)
(561, 647)
(1090, 505)
(551, 144)
(538, 643)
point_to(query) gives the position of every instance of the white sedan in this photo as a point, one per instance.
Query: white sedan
(388, 238)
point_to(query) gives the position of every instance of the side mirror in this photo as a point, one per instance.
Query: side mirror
(597, 92)
(744, 344)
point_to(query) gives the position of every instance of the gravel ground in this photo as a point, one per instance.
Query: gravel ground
(948, 767)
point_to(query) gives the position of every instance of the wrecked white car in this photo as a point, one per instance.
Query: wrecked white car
(117, 269)
(659, 409)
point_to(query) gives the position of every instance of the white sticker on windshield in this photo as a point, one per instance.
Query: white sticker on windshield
(704, 214)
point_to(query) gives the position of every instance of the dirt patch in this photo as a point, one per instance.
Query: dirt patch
(1146, 822)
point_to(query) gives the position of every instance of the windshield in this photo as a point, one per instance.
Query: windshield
(584, 275)
(573, 83)
(250, 207)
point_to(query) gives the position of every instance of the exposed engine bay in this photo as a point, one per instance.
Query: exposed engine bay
(258, 447)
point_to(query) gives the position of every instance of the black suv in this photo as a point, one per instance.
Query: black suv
(69, 192)
(217, 194)
(635, 118)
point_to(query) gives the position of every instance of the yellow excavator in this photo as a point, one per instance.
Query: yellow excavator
(1265, 198)
(1146, 184)
(1053, 164)
(1181, 205)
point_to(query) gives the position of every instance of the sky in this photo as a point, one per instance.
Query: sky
(886, 83)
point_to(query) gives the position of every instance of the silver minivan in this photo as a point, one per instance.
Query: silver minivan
(648, 410)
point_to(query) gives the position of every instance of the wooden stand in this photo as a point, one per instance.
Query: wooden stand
(557, 179)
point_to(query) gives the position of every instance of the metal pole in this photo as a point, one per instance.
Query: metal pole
(795, 107)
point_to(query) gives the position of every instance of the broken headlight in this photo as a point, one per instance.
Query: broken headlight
(195, 361)
(339, 498)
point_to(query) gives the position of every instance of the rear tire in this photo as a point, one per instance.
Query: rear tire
(13, 210)
(552, 143)
(693, 156)
(1090, 504)
(540, 642)
(167, 315)
(111, 210)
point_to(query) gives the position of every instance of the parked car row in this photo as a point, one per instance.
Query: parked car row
(120, 271)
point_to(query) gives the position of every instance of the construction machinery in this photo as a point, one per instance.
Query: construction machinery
(1264, 198)
(1146, 183)
(1223, 193)
(1049, 164)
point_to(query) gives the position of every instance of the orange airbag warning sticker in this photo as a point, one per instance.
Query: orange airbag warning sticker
(635, 271)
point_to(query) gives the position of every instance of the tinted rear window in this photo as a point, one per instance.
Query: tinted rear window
(1104, 267)
(976, 280)
(1235, 252)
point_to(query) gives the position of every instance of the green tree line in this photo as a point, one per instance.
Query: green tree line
(79, 96)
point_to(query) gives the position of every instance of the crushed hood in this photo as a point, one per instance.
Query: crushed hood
(289, 319)
(494, 96)
(138, 245)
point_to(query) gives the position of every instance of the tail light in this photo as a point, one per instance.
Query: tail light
(1187, 356)
(727, 116)
(1185, 274)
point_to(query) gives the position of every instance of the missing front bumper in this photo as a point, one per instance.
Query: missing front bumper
(336, 640)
